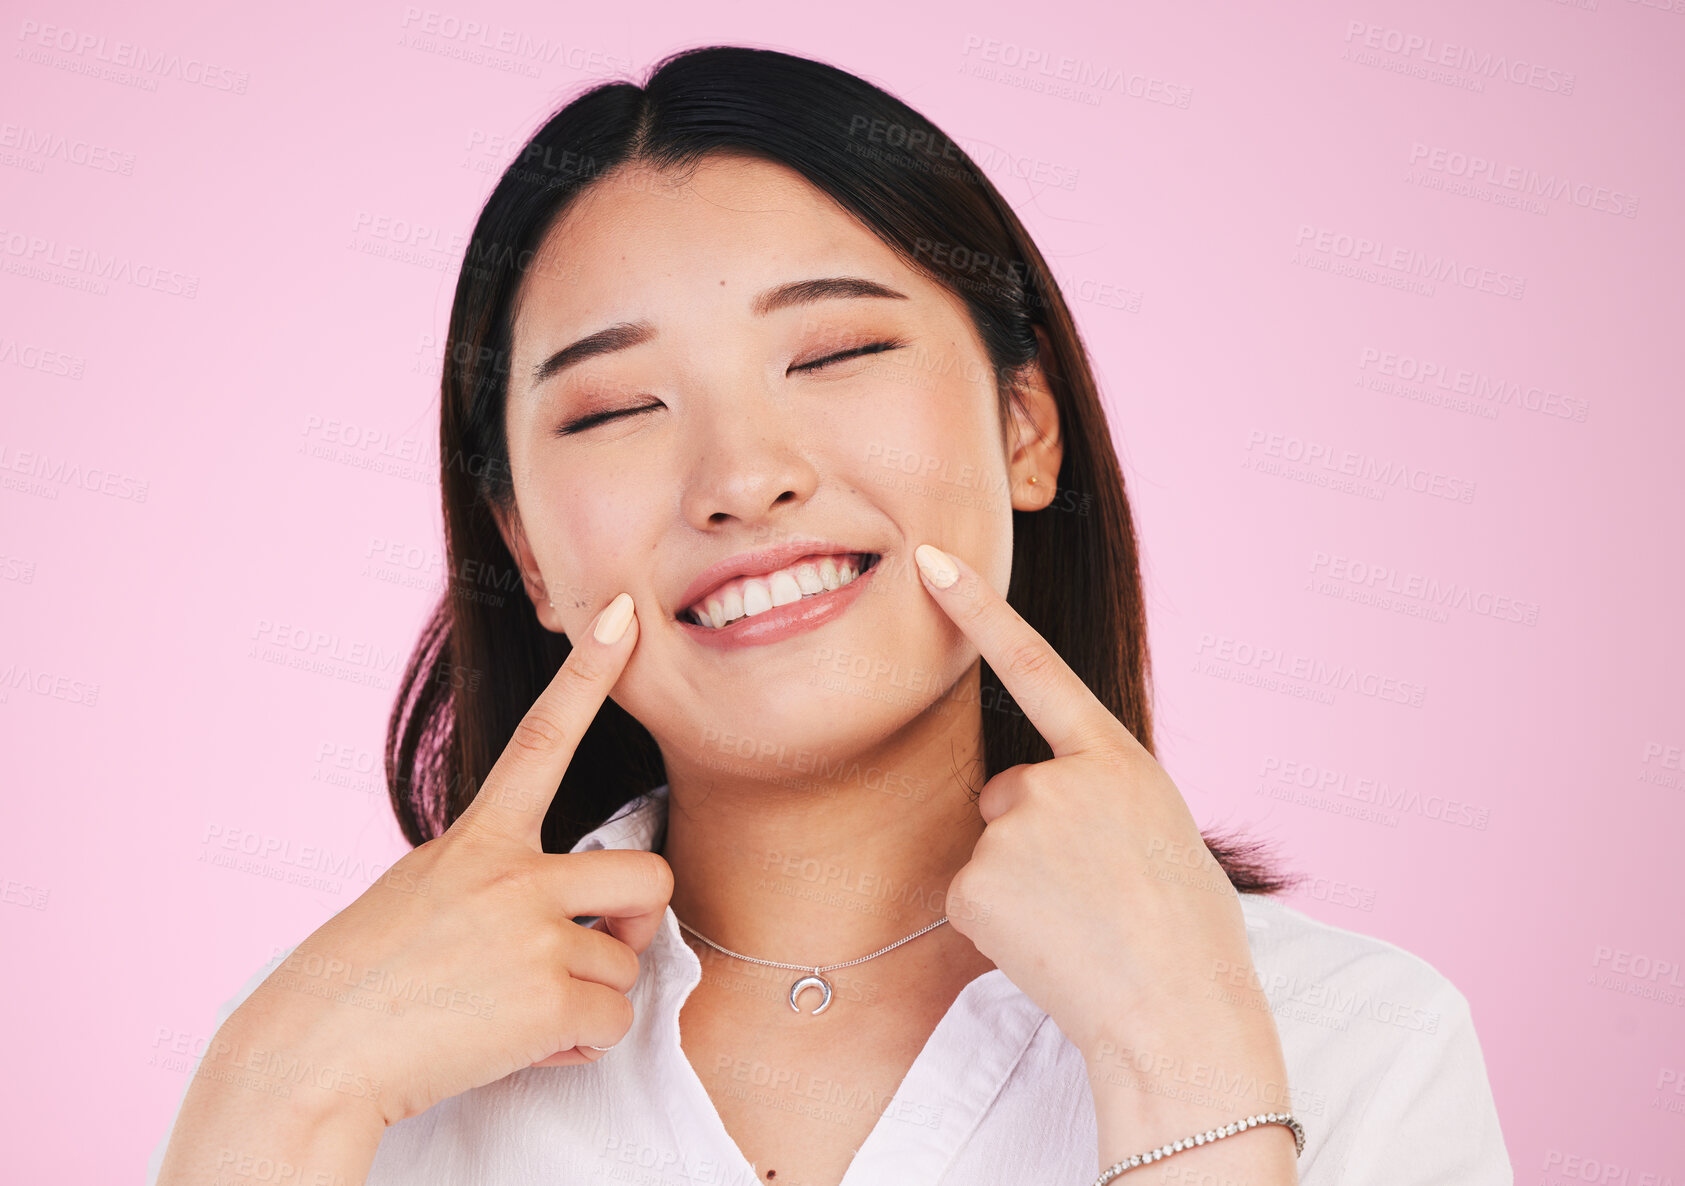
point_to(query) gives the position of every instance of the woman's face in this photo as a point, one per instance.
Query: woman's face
(730, 432)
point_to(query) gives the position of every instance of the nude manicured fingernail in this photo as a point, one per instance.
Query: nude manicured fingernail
(937, 568)
(614, 619)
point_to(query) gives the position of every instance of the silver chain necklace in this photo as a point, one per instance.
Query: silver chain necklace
(813, 979)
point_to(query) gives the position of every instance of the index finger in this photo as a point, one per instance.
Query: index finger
(523, 782)
(1063, 709)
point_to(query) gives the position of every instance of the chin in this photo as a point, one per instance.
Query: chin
(795, 737)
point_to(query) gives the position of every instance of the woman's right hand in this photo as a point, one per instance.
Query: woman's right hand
(462, 964)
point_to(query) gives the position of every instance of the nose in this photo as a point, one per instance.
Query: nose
(747, 474)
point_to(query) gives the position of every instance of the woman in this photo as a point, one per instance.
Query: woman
(776, 410)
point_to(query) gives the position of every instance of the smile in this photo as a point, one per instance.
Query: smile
(802, 596)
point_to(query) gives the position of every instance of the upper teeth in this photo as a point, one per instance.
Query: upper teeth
(748, 596)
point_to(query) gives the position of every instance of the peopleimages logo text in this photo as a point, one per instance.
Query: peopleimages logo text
(1409, 261)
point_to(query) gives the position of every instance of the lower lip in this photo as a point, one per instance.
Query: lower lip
(782, 621)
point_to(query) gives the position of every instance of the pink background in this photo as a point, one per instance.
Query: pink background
(189, 479)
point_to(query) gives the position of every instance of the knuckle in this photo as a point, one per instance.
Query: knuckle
(1098, 747)
(977, 900)
(967, 885)
(514, 879)
(632, 967)
(549, 943)
(469, 834)
(1115, 756)
(623, 1006)
(472, 833)
(546, 950)
(1028, 659)
(448, 855)
(1012, 774)
(554, 997)
(1001, 831)
(1036, 779)
(537, 735)
(1117, 747)
(583, 668)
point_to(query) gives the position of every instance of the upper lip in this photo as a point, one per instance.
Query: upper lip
(759, 563)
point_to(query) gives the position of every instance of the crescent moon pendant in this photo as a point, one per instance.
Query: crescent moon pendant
(807, 982)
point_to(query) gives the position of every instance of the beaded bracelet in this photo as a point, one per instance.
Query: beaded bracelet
(1201, 1138)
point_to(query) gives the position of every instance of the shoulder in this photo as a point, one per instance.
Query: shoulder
(1383, 1059)
(1340, 990)
(1294, 953)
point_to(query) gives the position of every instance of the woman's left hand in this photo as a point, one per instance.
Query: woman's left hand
(1090, 886)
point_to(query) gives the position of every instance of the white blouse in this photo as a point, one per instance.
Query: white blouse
(1386, 1073)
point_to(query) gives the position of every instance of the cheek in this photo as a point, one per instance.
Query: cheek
(962, 484)
(933, 449)
(591, 531)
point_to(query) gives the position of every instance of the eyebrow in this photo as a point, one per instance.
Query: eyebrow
(806, 292)
(635, 333)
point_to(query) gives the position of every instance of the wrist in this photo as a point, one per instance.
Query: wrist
(1156, 1086)
(243, 1120)
(296, 1059)
(1242, 1151)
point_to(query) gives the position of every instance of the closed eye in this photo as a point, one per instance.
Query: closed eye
(844, 355)
(596, 418)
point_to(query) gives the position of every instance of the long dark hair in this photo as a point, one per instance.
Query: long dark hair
(483, 658)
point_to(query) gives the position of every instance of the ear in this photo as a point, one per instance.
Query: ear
(1036, 445)
(515, 539)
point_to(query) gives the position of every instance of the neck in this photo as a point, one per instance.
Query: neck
(785, 862)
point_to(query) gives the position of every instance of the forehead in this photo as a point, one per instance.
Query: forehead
(641, 237)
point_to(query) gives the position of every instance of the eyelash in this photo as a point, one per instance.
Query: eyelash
(596, 418)
(853, 352)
